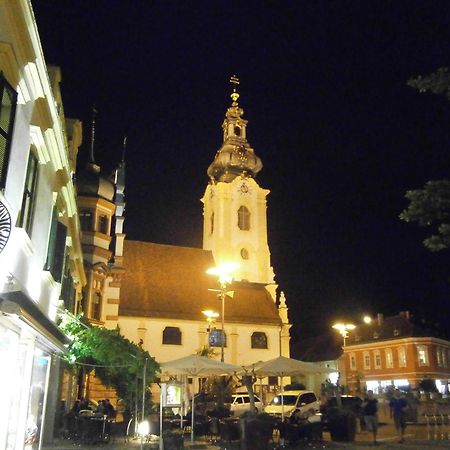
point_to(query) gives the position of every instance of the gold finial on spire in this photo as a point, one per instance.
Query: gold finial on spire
(234, 80)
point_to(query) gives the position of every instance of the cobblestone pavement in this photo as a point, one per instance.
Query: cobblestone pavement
(417, 437)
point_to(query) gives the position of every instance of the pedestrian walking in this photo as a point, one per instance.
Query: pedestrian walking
(370, 412)
(398, 406)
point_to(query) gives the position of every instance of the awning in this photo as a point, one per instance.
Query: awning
(19, 304)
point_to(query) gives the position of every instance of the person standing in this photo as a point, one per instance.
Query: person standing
(398, 407)
(370, 412)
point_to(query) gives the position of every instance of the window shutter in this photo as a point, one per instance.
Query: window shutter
(8, 99)
(60, 252)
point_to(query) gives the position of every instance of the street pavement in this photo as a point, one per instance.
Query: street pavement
(417, 437)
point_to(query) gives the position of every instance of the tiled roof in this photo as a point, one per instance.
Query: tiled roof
(166, 281)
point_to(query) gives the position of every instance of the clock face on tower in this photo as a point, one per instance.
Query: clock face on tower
(244, 188)
(5, 226)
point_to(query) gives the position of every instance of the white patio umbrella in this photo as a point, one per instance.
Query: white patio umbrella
(197, 366)
(284, 367)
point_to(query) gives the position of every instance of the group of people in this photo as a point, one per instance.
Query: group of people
(397, 407)
(104, 407)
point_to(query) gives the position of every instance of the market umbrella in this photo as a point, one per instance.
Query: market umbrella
(197, 366)
(284, 367)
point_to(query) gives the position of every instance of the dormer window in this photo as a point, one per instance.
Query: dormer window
(396, 332)
(243, 218)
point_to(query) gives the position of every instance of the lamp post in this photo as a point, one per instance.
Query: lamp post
(224, 273)
(343, 329)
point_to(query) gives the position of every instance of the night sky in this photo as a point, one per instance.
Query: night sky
(323, 86)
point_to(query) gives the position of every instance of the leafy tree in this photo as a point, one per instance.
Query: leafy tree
(430, 206)
(118, 362)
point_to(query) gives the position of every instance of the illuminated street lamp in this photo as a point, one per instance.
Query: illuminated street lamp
(224, 273)
(344, 329)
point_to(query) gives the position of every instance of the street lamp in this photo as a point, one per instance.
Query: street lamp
(224, 273)
(343, 329)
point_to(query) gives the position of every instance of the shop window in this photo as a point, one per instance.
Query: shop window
(259, 340)
(402, 357)
(172, 336)
(25, 219)
(8, 97)
(244, 218)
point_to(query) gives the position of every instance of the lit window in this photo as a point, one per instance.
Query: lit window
(439, 356)
(29, 194)
(444, 357)
(8, 98)
(366, 360)
(402, 357)
(244, 253)
(243, 218)
(259, 340)
(389, 358)
(377, 359)
(422, 355)
(172, 336)
(352, 361)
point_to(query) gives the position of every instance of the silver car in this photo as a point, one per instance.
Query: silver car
(241, 403)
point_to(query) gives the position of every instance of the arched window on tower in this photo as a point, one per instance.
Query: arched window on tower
(237, 130)
(212, 223)
(243, 218)
(172, 336)
(259, 340)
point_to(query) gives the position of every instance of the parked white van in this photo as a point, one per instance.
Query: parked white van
(300, 401)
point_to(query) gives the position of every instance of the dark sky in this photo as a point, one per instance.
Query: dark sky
(323, 86)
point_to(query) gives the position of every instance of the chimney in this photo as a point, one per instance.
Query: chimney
(405, 314)
(380, 319)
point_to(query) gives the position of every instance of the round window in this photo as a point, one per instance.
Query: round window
(244, 253)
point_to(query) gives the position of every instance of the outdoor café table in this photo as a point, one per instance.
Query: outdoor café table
(95, 428)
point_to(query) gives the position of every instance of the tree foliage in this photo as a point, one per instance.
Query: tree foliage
(430, 206)
(118, 362)
(437, 82)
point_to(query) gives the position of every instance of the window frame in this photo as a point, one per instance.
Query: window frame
(422, 350)
(258, 340)
(6, 91)
(389, 358)
(172, 336)
(26, 215)
(377, 359)
(244, 218)
(367, 360)
(402, 358)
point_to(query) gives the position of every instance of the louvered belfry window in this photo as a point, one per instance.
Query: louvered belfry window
(8, 97)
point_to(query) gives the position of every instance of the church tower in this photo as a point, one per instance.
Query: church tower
(234, 213)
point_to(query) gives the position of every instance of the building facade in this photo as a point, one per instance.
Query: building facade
(392, 351)
(41, 263)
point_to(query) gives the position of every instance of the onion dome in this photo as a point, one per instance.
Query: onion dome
(89, 180)
(235, 157)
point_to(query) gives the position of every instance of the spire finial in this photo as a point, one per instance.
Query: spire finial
(234, 80)
(124, 148)
(91, 162)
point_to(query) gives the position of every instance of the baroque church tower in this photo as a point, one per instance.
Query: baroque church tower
(235, 210)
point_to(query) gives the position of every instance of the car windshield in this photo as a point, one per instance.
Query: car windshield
(287, 400)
